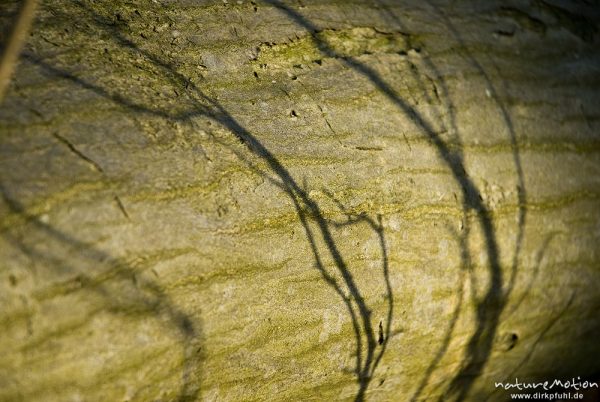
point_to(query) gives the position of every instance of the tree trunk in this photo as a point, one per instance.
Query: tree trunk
(300, 200)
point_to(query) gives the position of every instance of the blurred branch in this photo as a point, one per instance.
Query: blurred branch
(15, 43)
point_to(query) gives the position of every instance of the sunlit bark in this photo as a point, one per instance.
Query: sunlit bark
(316, 200)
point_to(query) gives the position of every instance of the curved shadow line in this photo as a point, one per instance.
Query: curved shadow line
(158, 302)
(536, 269)
(439, 83)
(377, 227)
(464, 379)
(521, 190)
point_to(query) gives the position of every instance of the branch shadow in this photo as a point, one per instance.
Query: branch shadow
(495, 96)
(124, 292)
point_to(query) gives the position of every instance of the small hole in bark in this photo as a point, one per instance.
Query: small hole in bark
(512, 341)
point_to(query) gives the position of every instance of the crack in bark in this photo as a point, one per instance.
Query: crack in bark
(121, 206)
(78, 153)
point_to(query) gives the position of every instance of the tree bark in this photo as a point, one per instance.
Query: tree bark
(301, 200)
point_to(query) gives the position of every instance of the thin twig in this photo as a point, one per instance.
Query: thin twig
(15, 43)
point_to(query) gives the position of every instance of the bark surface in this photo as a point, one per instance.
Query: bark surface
(302, 200)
